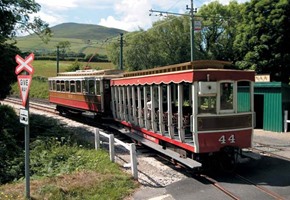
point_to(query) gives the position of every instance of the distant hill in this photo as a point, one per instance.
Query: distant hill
(84, 31)
(77, 34)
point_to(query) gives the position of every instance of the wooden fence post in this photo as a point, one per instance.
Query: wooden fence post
(112, 147)
(133, 161)
(97, 138)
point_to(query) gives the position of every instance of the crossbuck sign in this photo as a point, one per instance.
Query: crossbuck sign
(24, 81)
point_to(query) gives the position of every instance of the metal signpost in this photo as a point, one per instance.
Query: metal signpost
(24, 81)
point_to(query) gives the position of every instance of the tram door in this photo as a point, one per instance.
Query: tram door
(107, 95)
(259, 110)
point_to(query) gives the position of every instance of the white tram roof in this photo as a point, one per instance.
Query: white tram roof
(89, 74)
(185, 72)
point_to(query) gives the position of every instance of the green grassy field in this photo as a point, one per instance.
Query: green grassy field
(77, 45)
(48, 68)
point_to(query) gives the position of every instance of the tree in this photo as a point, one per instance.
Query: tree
(216, 39)
(63, 47)
(263, 43)
(15, 17)
(167, 42)
(7, 68)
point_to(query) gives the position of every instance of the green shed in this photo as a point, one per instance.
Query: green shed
(271, 99)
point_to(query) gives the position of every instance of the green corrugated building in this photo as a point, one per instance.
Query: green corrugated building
(271, 99)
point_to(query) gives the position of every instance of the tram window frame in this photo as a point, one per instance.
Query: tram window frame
(227, 96)
(67, 86)
(50, 85)
(62, 86)
(58, 85)
(53, 85)
(72, 85)
(84, 87)
(208, 106)
(91, 84)
(78, 86)
(98, 87)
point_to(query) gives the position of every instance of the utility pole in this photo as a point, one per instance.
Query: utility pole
(191, 30)
(57, 60)
(191, 14)
(121, 51)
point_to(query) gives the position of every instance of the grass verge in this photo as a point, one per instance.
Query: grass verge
(64, 165)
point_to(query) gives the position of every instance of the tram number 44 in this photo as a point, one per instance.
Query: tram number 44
(223, 139)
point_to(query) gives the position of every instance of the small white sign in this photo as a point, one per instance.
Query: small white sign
(262, 78)
(24, 116)
(197, 25)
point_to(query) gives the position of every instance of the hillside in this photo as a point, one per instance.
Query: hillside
(84, 31)
(84, 38)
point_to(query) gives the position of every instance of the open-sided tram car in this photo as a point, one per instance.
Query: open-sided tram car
(197, 109)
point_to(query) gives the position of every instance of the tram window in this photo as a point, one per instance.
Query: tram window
(84, 84)
(50, 85)
(207, 104)
(226, 97)
(53, 85)
(244, 96)
(91, 86)
(67, 86)
(78, 86)
(72, 86)
(58, 86)
(98, 87)
(62, 88)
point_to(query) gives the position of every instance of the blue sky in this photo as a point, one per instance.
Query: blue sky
(128, 15)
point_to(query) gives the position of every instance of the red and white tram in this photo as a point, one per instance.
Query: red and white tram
(190, 111)
(83, 90)
(187, 111)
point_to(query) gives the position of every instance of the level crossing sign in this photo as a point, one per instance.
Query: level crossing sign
(24, 64)
(24, 81)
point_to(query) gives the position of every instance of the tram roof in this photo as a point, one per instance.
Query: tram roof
(185, 72)
(87, 74)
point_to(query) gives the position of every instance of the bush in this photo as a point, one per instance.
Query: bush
(11, 144)
(75, 66)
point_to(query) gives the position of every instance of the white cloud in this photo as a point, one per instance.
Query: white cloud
(58, 4)
(131, 15)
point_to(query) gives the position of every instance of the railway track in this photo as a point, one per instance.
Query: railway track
(219, 182)
(41, 105)
(271, 150)
(245, 184)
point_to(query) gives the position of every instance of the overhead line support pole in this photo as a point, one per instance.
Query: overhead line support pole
(121, 51)
(192, 31)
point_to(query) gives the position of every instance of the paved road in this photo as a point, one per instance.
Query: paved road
(269, 173)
